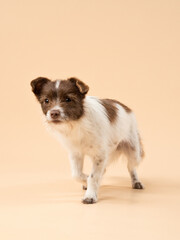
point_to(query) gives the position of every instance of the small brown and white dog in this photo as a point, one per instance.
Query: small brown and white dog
(100, 128)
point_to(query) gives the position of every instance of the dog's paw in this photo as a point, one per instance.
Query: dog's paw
(89, 199)
(138, 185)
(84, 187)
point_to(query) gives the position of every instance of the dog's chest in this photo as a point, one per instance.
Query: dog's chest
(82, 140)
(78, 138)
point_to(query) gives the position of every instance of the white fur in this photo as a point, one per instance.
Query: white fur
(57, 84)
(94, 135)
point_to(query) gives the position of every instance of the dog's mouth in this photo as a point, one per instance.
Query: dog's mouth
(56, 121)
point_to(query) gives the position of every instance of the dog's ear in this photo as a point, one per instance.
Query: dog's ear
(83, 88)
(37, 85)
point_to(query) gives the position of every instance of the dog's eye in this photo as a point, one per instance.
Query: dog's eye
(46, 100)
(68, 99)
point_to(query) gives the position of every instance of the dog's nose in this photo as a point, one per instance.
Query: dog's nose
(55, 114)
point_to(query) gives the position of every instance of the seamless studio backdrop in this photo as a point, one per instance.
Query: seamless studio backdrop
(126, 50)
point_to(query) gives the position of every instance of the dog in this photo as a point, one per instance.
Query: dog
(102, 129)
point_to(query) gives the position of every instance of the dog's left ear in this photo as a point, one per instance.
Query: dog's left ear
(37, 85)
(83, 88)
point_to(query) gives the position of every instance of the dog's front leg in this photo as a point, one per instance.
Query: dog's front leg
(77, 160)
(93, 180)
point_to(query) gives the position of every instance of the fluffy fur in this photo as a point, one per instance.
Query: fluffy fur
(100, 128)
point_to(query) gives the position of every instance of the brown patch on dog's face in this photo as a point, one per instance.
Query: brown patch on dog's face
(48, 97)
(67, 98)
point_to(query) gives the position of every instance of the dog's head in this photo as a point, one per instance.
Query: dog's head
(61, 100)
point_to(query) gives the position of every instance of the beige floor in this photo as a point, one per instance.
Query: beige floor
(47, 206)
(128, 50)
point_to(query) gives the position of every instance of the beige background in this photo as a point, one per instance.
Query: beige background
(128, 50)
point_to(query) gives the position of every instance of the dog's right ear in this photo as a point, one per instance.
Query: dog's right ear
(37, 85)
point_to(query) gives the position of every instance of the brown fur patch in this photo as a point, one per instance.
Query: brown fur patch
(111, 109)
(83, 88)
(37, 85)
(128, 110)
(125, 146)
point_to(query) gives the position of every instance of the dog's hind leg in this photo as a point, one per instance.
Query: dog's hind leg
(136, 184)
(134, 155)
(134, 152)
